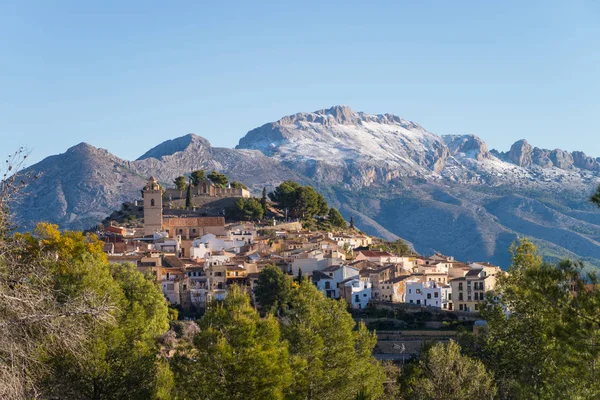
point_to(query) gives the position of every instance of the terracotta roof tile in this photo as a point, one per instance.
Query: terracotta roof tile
(195, 221)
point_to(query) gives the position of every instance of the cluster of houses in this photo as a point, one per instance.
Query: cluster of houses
(196, 260)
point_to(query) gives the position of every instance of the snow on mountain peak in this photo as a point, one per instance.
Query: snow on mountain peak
(339, 134)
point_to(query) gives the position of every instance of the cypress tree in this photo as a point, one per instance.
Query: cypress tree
(263, 200)
(188, 197)
(351, 222)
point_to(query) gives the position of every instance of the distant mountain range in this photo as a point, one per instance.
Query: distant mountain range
(446, 194)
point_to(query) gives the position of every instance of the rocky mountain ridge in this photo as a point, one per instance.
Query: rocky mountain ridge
(442, 193)
(366, 149)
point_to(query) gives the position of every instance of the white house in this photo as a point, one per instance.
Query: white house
(242, 233)
(429, 293)
(217, 243)
(164, 244)
(312, 262)
(356, 292)
(328, 279)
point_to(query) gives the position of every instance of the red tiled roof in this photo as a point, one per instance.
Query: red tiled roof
(372, 253)
(195, 221)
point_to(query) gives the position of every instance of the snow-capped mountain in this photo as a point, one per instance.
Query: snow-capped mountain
(339, 137)
(365, 149)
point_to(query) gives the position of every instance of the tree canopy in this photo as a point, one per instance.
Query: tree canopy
(180, 183)
(218, 179)
(197, 176)
(115, 358)
(301, 201)
(237, 185)
(236, 355)
(330, 359)
(245, 209)
(543, 329)
(443, 373)
(273, 289)
(335, 219)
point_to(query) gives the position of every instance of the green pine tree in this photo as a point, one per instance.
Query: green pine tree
(236, 355)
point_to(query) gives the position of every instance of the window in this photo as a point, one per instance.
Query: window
(364, 295)
(411, 301)
(418, 301)
(460, 297)
(476, 306)
(356, 298)
(327, 285)
(460, 286)
(460, 307)
(468, 298)
(194, 230)
(436, 294)
(449, 296)
(429, 295)
(152, 203)
(409, 291)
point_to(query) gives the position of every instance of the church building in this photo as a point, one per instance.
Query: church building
(188, 228)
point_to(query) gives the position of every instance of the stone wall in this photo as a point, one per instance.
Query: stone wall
(416, 308)
(210, 206)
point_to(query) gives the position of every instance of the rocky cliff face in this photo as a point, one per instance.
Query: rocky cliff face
(448, 194)
(523, 154)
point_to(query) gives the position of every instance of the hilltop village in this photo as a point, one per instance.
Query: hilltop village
(196, 254)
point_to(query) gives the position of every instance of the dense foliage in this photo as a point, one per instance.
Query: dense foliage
(197, 176)
(180, 183)
(113, 318)
(543, 330)
(301, 202)
(399, 247)
(236, 355)
(326, 356)
(443, 373)
(218, 179)
(238, 185)
(245, 209)
(335, 219)
(273, 290)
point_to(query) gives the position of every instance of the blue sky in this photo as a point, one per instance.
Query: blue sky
(128, 75)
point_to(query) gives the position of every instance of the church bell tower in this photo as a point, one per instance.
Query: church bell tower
(152, 194)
